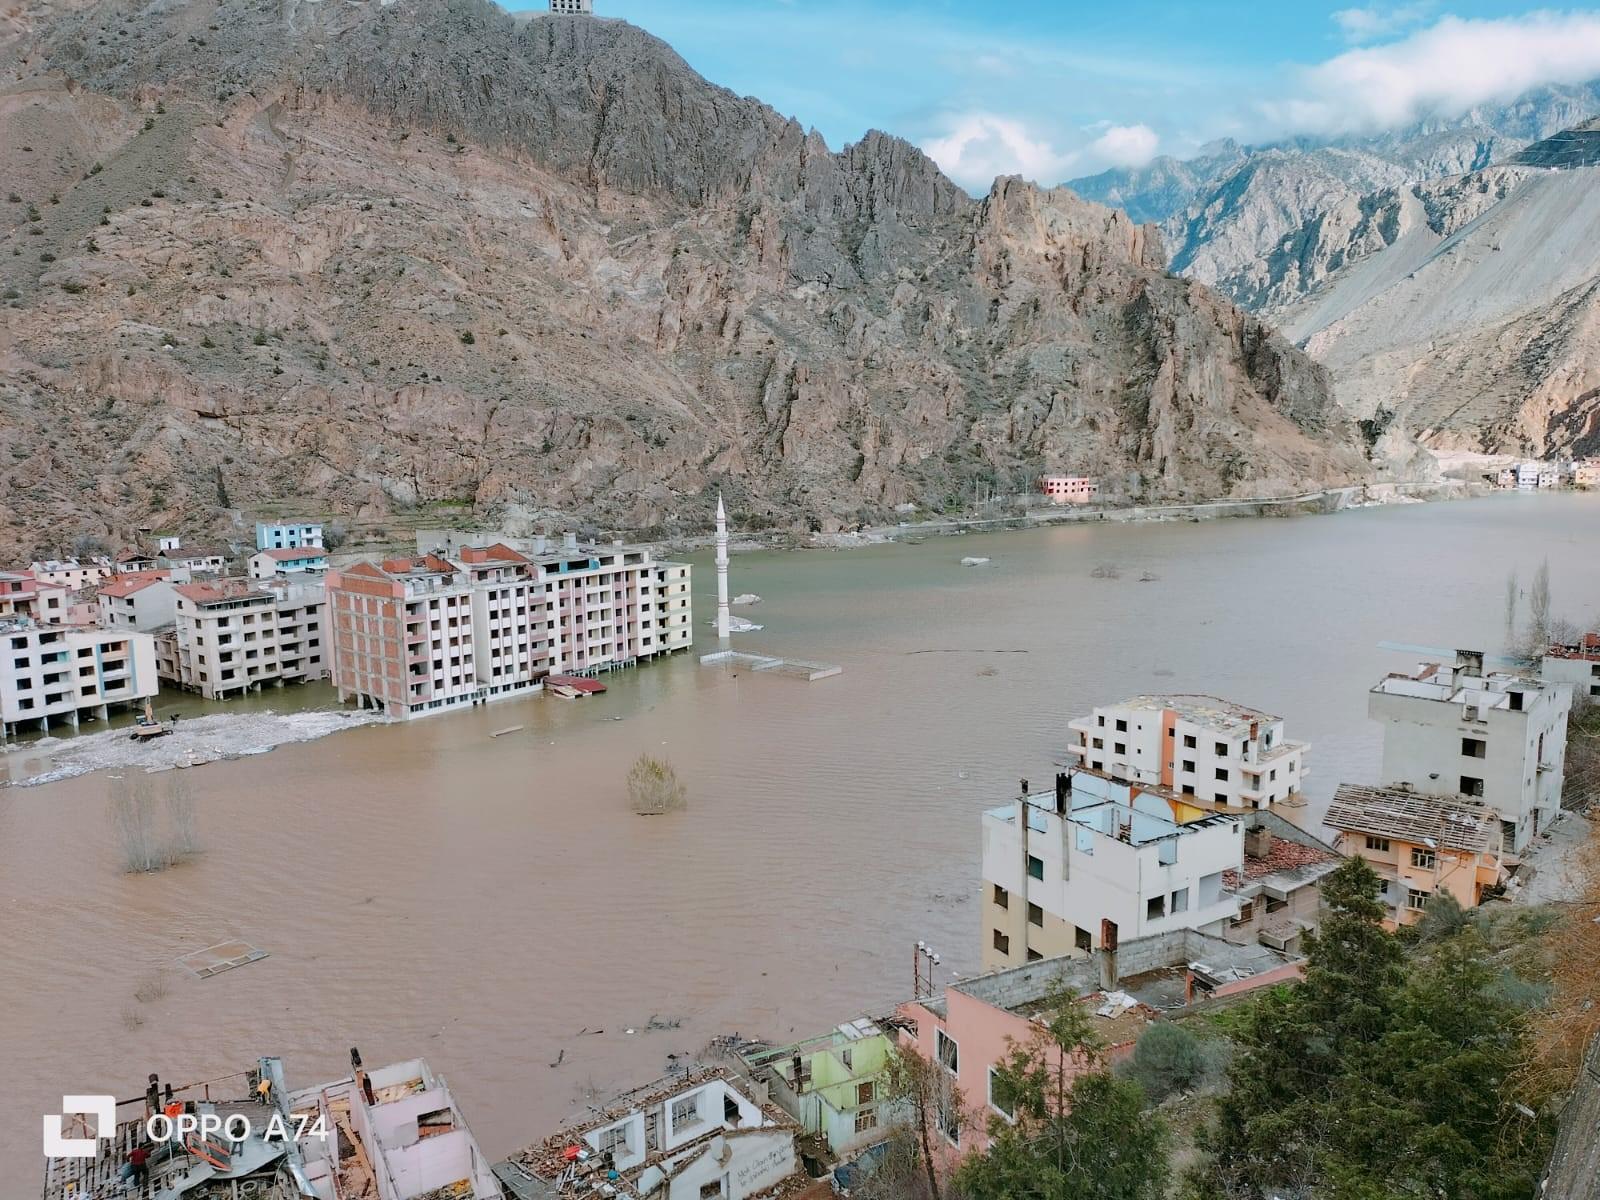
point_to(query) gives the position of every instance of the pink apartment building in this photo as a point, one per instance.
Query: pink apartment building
(971, 1029)
(414, 636)
(1069, 489)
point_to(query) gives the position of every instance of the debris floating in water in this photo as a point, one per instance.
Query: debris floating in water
(974, 562)
(746, 598)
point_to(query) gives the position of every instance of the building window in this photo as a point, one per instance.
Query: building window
(1188, 765)
(1180, 900)
(1380, 844)
(1474, 748)
(1120, 748)
(1002, 898)
(685, 1112)
(1002, 943)
(614, 1141)
(1471, 786)
(1415, 900)
(1082, 939)
(1155, 908)
(1122, 727)
(1188, 741)
(1099, 743)
(865, 1093)
(1423, 858)
(1002, 1095)
(866, 1119)
(1035, 915)
(1247, 910)
(1034, 956)
(1222, 774)
(1222, 749)
(948, 1053)
(1035, 867)
(708, 1190)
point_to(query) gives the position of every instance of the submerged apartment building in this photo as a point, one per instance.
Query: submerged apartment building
(1498, 738)
(230, 636)
(1214, 753)
(420, 635)
(52, 675)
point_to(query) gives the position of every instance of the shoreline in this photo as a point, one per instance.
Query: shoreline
(197, 741)
(1322, 502)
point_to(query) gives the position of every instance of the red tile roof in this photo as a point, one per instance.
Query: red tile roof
(499, 552)
(222, 589)
(126, 585)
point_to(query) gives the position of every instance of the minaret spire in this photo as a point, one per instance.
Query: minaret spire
(723, 620)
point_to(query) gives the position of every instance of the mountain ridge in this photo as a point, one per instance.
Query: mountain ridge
(388, 258)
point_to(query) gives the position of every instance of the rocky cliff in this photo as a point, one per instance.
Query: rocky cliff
(1463, 311)
(1228, 207)
(417, 257)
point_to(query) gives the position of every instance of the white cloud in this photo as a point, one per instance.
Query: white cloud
(1442, 70)
(980, 146)
(1378, 21)
(1125, 146)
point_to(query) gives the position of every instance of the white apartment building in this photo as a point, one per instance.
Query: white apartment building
(270, 564)
(421, 635)
(1577, 666)
(1212, 752)
(1101, 860)
(231, 636)
(674, 606)
(143, 600)
(71, 573)
(288, 535)
(572, 6)
(413, 1142)
(52, 674)
(1499, 738)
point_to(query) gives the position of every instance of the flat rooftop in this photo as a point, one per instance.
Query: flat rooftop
(1211, 711)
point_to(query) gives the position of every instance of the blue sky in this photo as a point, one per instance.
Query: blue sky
(1056, 90)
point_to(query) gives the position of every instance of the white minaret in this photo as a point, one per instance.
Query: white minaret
(722, 570)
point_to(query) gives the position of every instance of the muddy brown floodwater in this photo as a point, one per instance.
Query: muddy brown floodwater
(425, 889)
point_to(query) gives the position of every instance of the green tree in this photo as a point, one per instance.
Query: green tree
(1274, 1119)
(1076, 1132)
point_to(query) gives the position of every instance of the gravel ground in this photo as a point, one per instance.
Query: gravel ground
(1552, 857)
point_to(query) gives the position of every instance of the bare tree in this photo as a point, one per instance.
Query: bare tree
(152, 836)
(927, 1094)
(654, 788)
(1539, 609)
(1513, 594)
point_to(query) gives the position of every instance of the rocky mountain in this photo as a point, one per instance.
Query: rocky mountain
(1462, 311)
(1222, 211)
(411, 259)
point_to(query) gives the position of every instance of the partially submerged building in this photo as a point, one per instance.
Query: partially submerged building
(1211, 751)
(1420, 845)
(970, 1030)
(1098, 860)
(52, 675)
(1499, 738)
(420, 635)
(689, 1137)
(230, 636)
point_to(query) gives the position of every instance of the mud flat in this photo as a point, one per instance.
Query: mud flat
(195, 741)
